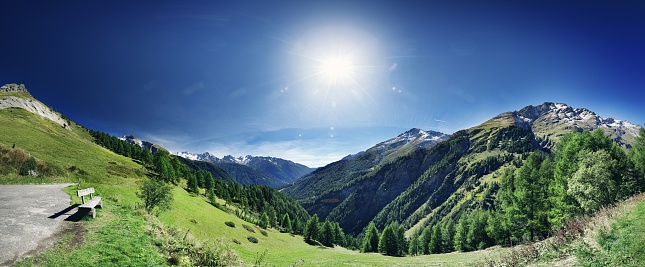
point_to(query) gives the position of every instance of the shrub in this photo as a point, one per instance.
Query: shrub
(155, 193)
(237, 241)
(252, 239)
(230, 224)
(248, 228)
(264, 233)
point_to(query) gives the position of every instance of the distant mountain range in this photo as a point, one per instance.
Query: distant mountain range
(270, 171)
(420, 178)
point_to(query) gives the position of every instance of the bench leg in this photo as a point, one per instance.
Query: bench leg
(93, 213)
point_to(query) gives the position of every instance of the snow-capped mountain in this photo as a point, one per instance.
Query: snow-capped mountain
(549, 121)
(409, 140)
(285, 171)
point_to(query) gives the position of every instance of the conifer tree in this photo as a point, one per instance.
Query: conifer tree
(192, 183)
(424, 240)
(388, 244)
(286, 223)
(461, 231)
(311, 229)
(371, 239)
(326, 236)
(264, 220)
(436, 243)
(413, 247)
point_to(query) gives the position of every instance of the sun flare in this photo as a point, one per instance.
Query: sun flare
(337, 68)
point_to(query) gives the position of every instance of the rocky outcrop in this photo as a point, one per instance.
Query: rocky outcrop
(31, 105)
(12, 87)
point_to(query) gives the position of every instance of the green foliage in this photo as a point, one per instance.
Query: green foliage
(155, 194)
(448, 234)
(424, 240)
(622, 245)
(286, 223)
(326, 236)
(28, 166)
(192, 184)
(311, 229)
(591, 184)
(122, 147)
(436, 243)
(252, 239)
(371, 239)
(413, 247)
(264, 220)
(248, 228)
(387, 244)
(230, 224)
(531, 194)
(461, 233)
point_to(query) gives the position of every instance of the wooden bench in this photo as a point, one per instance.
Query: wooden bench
(92, 203)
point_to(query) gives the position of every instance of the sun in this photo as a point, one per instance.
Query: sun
(337, 68)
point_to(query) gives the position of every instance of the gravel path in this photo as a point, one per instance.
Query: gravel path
(29, 215)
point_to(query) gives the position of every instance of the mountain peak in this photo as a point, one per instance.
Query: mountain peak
(12, 87)
(550, 120)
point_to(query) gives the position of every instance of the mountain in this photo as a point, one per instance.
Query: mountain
(329, 189)
(271, 171)
(143, 144)
(549, 121)
(430, 184)
(404, 143)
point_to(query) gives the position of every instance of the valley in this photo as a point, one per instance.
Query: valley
(418, 180)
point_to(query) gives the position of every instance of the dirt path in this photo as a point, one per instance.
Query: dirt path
(29, 216)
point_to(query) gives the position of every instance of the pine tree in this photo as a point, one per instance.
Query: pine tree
(387, 243)
(264, 220)
(461, 232)
(413, 247)
(371, 239)
(192, 184)
(436, 243)
(424, 240)
(448, 234)
(286, 223)
(311, 229)
(327, 234)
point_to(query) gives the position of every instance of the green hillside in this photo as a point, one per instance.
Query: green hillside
(122, 234)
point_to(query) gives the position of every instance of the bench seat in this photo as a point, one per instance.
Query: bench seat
(91, 204)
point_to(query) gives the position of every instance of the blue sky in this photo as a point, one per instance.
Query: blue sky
(249, 77)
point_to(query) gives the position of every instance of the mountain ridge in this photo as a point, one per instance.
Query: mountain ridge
(280, 171)
(427, 185)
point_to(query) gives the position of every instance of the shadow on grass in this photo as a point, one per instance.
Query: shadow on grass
(80, 213)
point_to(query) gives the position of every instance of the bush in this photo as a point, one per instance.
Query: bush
(252, 239)
(155, 193)
(237, 241)
(248, 228)
(264, 233)
(230, 224)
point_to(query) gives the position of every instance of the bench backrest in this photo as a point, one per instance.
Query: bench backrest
(85, 192)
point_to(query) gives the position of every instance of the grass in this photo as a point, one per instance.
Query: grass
(192, 231)
(623, 244)
(613, 236)
(283, 249)
(117, 237)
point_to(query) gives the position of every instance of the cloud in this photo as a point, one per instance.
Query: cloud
(193, 88)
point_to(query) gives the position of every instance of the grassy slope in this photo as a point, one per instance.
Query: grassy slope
(206, 223)
(119, 235)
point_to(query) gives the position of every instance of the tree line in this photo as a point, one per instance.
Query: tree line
(533, 199)
(257, 204)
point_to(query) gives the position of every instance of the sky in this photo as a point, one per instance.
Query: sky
(314, 81)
